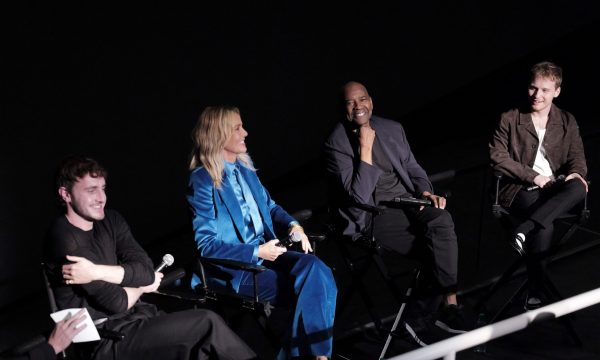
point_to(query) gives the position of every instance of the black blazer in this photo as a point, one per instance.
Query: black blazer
(357, 179)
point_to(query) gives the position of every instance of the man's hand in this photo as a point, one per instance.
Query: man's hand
(437, 201)
(154, 286)
(366, 138)
(65, 330)
(541, 181)
(81, 271)
(270, 250)
(133, 294)
(577, 176)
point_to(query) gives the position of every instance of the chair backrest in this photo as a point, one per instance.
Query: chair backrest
(49, 291)
(71, 352)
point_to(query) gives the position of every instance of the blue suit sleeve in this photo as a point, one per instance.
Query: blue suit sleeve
(215, 235)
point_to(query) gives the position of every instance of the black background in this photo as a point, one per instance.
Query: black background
(125, 85)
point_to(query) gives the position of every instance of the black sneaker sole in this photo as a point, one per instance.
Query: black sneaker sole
(447, 328)
(529, 306)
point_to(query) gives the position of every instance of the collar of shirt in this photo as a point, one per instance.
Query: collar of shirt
(229, 167)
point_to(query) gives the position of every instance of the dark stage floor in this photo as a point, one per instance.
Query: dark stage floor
(572, 274)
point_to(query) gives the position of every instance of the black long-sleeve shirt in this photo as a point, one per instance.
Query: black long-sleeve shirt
(110, 242)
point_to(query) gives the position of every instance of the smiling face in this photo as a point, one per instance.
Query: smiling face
(359, 105)
(85, 201)
(542, 92)
(236, 143)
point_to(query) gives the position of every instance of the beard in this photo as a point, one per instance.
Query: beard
(85, 212)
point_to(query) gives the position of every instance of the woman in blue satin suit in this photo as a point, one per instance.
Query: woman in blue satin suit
(235, 218)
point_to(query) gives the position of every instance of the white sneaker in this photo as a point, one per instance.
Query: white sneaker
(519, 243)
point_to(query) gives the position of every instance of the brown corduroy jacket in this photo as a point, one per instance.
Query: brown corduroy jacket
(514, 146)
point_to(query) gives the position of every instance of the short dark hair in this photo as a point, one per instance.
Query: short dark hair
(75, 167)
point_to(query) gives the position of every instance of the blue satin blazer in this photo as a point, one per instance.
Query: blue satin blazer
(219, 225)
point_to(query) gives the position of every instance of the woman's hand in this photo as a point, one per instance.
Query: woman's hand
(306, 247)
(270, 250)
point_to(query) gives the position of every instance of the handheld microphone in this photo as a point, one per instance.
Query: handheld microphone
(409, 200)
(559, 180)
(167, 260)
(290, 239)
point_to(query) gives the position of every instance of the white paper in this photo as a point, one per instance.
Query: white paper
(90, 333)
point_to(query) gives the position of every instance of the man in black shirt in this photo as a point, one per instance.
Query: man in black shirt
(96, 263)
(369, 161)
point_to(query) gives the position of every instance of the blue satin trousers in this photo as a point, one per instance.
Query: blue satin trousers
(305, 284)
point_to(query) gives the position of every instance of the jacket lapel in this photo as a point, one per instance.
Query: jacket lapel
(386, 143)
(229, 199)
(261, 201)
(554, 121)
(526, 121)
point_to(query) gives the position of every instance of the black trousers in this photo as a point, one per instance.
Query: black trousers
(401, 229)
(182, 335)
(543, 207)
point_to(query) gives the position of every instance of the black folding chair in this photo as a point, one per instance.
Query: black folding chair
(233, 306)
(71, 351)
(360, 253)
(574, 220)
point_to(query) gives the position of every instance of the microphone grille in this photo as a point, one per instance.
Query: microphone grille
(168, 259)
(295, 236)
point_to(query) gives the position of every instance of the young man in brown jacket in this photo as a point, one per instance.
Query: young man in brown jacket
(540, 152)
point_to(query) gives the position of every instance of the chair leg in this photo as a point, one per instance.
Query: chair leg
(566, 321)
(390, 335)
(400, 313)
(364, 294)
(268, 331)
(552, 292)
(386, 276)
(356, 268)
(504, 307)
(506, 276)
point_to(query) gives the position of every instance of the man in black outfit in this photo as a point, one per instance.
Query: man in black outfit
(96, 263)
(369, 161)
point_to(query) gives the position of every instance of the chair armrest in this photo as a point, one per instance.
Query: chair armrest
(376, 210)
(234, 264)
(312, 237)
(253, 268)
(171, 277)
(302, 215)
(497, 209)
(111, 334)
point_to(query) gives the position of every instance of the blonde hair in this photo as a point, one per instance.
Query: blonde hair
(546, 69)
(213, 129)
